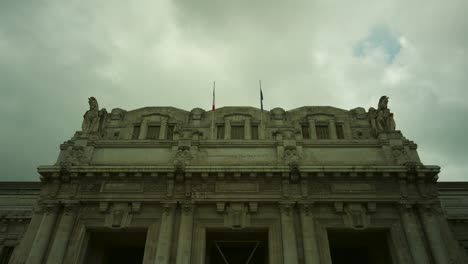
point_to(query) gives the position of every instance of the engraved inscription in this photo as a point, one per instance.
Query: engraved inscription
(236, 187)
(353, 187)
(122, 187)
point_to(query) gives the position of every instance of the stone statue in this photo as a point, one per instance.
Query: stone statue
(381, 119)
(94, 119)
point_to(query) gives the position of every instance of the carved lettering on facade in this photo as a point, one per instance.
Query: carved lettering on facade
(236, 187)
(122, 187)
(353, 187)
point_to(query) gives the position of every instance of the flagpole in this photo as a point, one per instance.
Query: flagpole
(261, 113)
(213, 136)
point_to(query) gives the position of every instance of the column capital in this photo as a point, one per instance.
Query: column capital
(306, 207)
(286, 207)
(187, 207)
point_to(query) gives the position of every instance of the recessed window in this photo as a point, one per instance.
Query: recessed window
(220, 132)
(254, 130)
(237, 132)
(6, 254)
(339, 132)
(136, 131)
(153, 132)
(305, 131)
(322, 132)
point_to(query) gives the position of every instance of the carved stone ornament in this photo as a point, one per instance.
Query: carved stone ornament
(291, 156)
(400, 155)
(94, 119)
(182, 158)
(381, 120)
(76, 156)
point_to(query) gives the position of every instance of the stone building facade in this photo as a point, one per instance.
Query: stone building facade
(236, 185)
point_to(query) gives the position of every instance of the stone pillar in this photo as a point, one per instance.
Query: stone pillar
(21, 253)
(163, 249)
(247, 129)
(436, 242)
(413, 235)
(348, 134)
(312, 132)
(332, 129)
(59, 246)
(309, 238)
(288, 233)
(163, 129)
(41, 241)
(184, 246)
(227, 129)
(143, 129)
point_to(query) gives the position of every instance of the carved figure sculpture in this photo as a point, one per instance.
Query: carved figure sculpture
(94, 119)
(382, 119)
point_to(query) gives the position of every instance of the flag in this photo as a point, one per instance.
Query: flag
(261, 96)
(213, 107)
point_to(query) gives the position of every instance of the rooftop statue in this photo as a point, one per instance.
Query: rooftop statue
(382, 119)
(93, 119)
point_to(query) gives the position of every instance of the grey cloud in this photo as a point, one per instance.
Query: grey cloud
(54, 54)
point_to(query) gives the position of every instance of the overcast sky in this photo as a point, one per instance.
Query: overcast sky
(130, 54)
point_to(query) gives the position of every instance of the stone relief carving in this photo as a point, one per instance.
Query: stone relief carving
(400, 155)
(381, 119)
(291, 155)
(94, 119)
(76, 156)
(182, 158)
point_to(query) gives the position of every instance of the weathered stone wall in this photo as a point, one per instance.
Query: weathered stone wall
(296, 174)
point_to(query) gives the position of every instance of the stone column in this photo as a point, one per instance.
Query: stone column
(163, 129)
(288, 233)
(227, 129)
(348, 134)
(436, 242)
(312, 131)
(332, 129)
(143, 129)
(21, 253)
(247, 129)
(163, 249)
(41, 241)
(59, 246)
(184, 246)
(413, 235)
(309, 238)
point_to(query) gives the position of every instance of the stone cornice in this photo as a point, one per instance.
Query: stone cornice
(427, 173)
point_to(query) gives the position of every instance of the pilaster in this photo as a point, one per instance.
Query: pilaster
(309, 238)
(288, 233)
(432, 229)
(41, 241)
(332, 129)
(62, 235)
(414, 235)
(184, 243)
(143, 129)
(166, 228)
(312, 130)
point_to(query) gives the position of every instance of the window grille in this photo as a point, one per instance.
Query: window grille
(339, 132)
(305, 132)
(254, 130)
(322, 132)
(237, 132)
(153, 132)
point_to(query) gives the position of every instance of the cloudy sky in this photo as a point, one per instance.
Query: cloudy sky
(130, 54)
